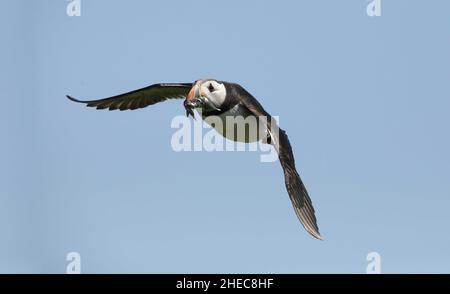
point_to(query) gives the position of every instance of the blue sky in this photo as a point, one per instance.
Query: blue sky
(365, 102)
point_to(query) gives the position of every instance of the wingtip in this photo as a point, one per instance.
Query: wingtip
(316, 235)
(71, 98)
(76, 100)
(319, 237)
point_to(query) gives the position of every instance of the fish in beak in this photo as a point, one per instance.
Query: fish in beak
(195, 99)
(189, 108)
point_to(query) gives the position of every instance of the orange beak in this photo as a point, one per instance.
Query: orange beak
(191, 93)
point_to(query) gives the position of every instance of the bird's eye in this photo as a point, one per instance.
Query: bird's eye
(211, 88)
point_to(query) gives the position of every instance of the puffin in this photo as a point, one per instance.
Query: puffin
(220, 99)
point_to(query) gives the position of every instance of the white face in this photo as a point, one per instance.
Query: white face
(214, 91)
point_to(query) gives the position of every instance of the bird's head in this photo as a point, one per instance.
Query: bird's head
(206, 94)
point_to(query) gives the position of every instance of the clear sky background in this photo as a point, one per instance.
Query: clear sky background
(365, 102)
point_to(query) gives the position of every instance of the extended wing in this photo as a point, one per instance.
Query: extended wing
(141, 98)
(296, 189)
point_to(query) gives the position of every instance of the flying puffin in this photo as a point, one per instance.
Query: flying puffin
(221, 99)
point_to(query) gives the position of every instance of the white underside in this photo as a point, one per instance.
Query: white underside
(239, 117)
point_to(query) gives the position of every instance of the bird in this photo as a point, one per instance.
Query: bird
(214, 98)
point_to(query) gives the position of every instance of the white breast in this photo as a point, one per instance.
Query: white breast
(246, 126)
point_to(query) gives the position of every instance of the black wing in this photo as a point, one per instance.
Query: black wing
(140, 98)
(296, 189)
